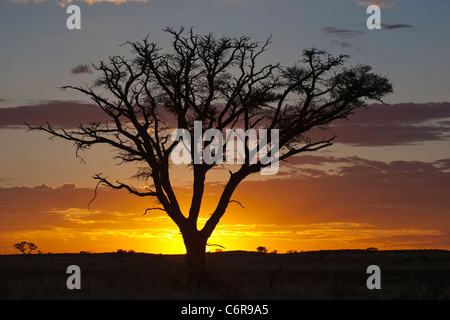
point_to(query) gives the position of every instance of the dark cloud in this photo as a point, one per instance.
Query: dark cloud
(396, 26)
(379, 125)
(57, 113)
(406, 123)
(387, 135)
(81, 68)
(343, 33)
(414, 188)
(402, 113)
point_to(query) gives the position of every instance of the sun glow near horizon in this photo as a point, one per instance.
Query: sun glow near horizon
(73, 230)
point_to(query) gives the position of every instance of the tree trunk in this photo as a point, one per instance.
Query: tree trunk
(195, 243)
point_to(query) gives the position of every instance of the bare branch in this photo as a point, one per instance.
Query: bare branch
(149, 209)
(120, 185)
(235, 201)
(95, 195)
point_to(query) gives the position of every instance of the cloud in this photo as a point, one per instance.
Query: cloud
(381, 4)
(27, 1)
(358, 189)
(396, 26)
(65, 206)
(90, 2)
(354, 202)
(63, 3)
(81, 68)
(398, 124)
(333, 232)
(57, 220)
(363, 203)
(345, 34)
(342, 33)
(379, 125)
(57, 113)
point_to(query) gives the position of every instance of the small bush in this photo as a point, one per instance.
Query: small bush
(262, 249)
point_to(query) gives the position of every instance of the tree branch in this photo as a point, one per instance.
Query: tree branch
(120, 185)
(235, 201)
(149, 209)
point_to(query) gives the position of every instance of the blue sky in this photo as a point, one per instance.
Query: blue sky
(37, 51)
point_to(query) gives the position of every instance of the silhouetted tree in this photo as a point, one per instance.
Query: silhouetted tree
(262, 249)
(25, 247)
(220, 82)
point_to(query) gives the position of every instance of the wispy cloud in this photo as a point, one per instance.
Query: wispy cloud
(399, 124)
(349, 232)
(28, 1)
(58, 113)
(382, 4)
(81, 68)
(66, 2)
(396, 26)
(343, 33)
(63, 3)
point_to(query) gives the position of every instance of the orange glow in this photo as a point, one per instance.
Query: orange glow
(280, 214)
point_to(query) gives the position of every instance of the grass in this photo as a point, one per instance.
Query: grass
(340, 274)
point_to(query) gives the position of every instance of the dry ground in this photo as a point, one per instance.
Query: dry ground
(341, 274)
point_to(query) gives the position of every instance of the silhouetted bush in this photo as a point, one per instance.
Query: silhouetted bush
(262, 249)
(25, 246)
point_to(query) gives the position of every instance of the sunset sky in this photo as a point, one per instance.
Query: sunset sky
(385, 183)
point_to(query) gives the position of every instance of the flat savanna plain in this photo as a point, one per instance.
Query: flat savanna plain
(337, 274)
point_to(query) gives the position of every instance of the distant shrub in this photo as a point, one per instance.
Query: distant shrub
(25, 247)
(262, 249)
(291, 251)
(124, 252)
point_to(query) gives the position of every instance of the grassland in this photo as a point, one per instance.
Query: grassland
(341, 274)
